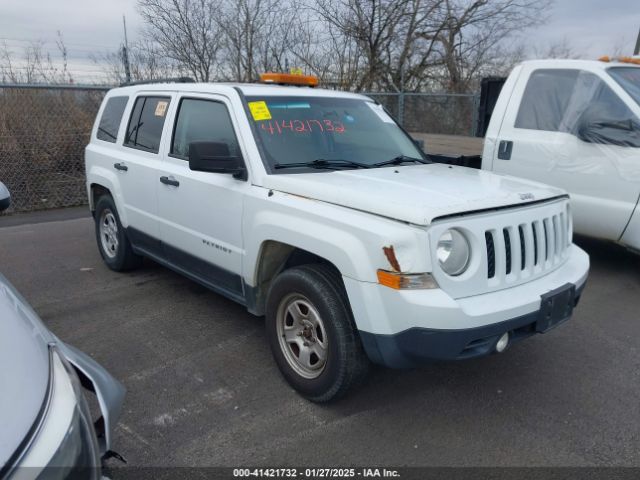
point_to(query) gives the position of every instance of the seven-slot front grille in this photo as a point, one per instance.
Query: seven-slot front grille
(509, 247)
(527, 248)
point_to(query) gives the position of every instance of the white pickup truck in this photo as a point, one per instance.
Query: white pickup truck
(574, 124)
(314, 208)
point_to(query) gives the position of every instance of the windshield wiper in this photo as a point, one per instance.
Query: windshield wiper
(321, 163)
(399, 160)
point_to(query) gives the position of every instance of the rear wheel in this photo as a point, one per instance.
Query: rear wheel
(113, 243)
(312, 333)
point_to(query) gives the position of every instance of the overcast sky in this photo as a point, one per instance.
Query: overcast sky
(592, 27)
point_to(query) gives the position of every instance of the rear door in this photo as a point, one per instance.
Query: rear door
(539, 140)
(201, 212)
(137, 165)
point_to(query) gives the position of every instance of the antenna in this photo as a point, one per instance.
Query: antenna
(125, 52)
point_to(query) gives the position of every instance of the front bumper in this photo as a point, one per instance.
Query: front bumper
(418, 346)
(404, 329)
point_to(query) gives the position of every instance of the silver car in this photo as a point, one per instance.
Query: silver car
(45, 421)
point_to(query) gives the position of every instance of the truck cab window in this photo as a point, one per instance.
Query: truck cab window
(563, 100)
(202, 120)
(145, 124)
(545, 99)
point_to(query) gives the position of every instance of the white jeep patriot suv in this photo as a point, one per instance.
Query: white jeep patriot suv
(314, 208)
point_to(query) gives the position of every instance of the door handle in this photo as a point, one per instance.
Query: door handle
(504, 149)
(170, 181)
(120, 166)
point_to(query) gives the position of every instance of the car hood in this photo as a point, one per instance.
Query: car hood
(24, 375)
(416, 194)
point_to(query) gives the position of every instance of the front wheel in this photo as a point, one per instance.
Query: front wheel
(312, 334)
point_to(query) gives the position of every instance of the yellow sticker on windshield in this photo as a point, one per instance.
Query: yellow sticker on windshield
(259, 111)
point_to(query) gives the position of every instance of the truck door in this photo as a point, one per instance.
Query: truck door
(201, 212)
(546, 138)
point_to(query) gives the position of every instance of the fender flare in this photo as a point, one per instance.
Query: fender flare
(328, 242)
(107, 179)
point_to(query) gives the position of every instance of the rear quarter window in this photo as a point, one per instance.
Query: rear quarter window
(111, 118)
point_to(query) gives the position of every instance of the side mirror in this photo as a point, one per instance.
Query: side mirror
(419, 144)
(600, 126)
(5, 197)
(215, 157)
(624, 133)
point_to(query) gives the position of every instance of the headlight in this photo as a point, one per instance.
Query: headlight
(453, 252)
(65, 444)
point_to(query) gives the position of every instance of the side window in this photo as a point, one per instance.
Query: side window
(111, 118)
(596, 98)
(202, 120)
(146, 122)
(545, 99)
(560, 100)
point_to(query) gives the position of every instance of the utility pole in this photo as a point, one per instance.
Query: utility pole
(637, 50)
(125, 52)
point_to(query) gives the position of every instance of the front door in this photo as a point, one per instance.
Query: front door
(201, 212)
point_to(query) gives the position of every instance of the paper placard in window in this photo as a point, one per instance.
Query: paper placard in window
(161, 108)
(259, 111)
(379, 110)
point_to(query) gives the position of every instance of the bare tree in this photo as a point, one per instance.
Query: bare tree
(64, 54)
(256, 35)
(556, 49)
(186, 31)
(322, 49)
(371, 24)
(418, 44)
(410, 57)
(35, 64)
(473, 33)
(353, 44)
(146, 61)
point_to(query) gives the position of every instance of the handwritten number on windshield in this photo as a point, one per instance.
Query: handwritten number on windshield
(302, 126)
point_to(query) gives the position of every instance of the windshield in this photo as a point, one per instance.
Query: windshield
(332, 132)
(629, 79)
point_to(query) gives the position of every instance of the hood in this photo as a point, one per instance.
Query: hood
(415, 193)
(24, 356)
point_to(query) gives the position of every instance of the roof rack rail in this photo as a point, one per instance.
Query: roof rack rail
(159, 80)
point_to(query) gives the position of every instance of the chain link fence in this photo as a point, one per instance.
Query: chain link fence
(436, 113)
(44, 130)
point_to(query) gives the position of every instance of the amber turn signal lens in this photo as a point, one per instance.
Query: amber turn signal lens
(406, 281)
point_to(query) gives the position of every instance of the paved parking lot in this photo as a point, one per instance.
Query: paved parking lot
(203, 389)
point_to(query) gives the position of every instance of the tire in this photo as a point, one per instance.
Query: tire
(312, 333)
(114, 246)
